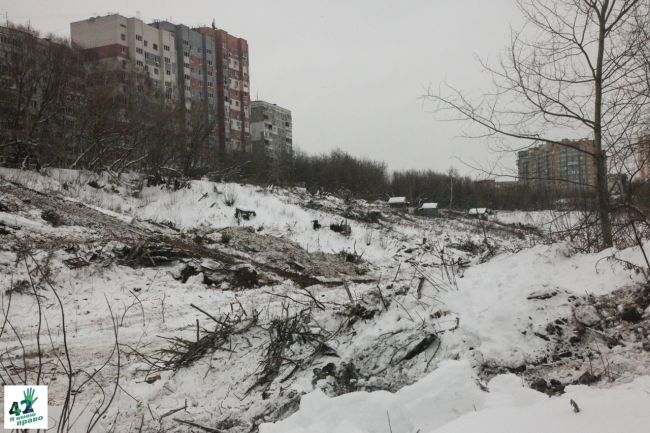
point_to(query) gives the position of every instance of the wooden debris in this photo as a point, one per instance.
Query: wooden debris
(76, 262)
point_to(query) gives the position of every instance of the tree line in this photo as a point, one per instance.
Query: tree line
(60, 108)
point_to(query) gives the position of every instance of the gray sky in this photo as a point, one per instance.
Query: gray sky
(351, 71)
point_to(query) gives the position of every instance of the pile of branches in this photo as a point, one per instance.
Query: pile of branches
(284, 333)
(183, 352)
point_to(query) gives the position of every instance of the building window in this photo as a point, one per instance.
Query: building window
(166, 47)
(138, 38)
(138, 50)
(123, 36)
(167, 60)
(155, 46)
(124, 50)
(186, 54)
(146, 43)
(139, 62)
(124, 64)
(155, 71)
(186, 43)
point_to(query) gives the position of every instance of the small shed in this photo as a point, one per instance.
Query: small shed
(479, 212)
(398, 202)
(428, 209)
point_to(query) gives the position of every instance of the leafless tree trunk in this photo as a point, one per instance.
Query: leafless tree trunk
(578, 66)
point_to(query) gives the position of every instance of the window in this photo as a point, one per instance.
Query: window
(155, 71)
(187, 77)
(138, 38)
(186, 43)
(186, 54)
(124, 64)
(139, 62)
(167, 60)
(155, 46)
(125, 50)
(146, 43)
(166, 47)
(168, 72)
(210, 62)
(186, 65)
(123, 37)
(123, 25)
(138, 50)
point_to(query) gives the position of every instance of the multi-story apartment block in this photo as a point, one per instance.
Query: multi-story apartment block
(129, 43)
(199, 68)
(270, 128)
(196, 59)
(233, 89)
(560, 165)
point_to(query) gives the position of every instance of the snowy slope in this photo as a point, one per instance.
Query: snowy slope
(489, 311)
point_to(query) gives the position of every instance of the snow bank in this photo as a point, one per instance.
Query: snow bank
(498, 319)
(450, 400)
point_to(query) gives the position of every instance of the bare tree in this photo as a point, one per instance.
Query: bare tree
(578, 65)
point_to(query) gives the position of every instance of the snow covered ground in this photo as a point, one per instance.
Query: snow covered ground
(480, 295)
(451, 399)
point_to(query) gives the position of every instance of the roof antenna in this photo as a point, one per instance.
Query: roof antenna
(213, 24)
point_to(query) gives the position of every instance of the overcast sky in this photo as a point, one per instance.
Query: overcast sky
(351, 71)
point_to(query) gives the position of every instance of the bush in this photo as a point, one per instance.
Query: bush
(229, 196)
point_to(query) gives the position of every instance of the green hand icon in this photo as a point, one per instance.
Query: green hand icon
(29, 400)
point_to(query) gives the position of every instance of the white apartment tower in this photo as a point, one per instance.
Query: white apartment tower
(126, 43)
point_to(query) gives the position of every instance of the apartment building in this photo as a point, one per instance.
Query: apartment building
(271, 128)
(558, 165)
(204, 67)
(233, 89)
(196, 60)
(130, 44)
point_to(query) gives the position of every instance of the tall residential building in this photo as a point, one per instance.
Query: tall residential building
(126, 43)
(270, 128)
(565, 165)
(233, 89)
(196, 59)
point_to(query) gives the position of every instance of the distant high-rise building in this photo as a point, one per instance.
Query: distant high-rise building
(560, 165)
(125, 43)
(233, 89)
(202, 69)
(196, 59)
(270, 128)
